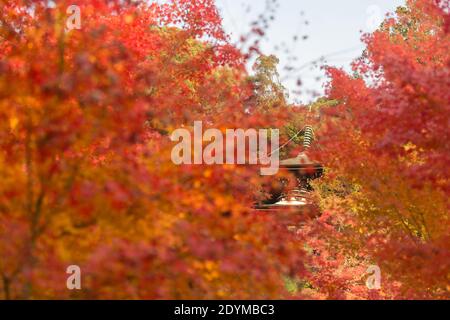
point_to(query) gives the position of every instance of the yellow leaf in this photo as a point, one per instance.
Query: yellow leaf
(13, 122)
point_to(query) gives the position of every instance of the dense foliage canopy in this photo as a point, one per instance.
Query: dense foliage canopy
(87, 179)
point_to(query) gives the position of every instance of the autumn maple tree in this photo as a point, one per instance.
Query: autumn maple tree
(87, 177)
(86, 172)
(384, 137)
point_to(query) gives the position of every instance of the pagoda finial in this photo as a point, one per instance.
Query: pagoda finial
(308, 136)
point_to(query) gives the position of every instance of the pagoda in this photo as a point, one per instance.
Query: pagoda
(295, 196)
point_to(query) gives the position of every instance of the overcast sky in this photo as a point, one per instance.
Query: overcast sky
(333, 28)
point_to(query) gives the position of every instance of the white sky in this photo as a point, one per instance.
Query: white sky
(334, 30)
